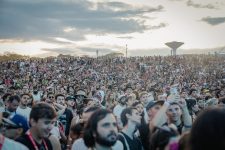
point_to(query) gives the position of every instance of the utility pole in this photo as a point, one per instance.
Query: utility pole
(97, 53)
(126, 50)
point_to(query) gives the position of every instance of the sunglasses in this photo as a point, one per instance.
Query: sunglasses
(51, 97)
(8, 126)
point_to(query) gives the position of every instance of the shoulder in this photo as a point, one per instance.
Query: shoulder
(13, 145)
(79, 144)
(118, 146)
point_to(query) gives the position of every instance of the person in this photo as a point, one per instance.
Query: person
(174, 112)
(130, 119)
(79, 143)
(101, 131)
(14, 126)
(42, 119)
(208, 130)
(12, 104)
(119, 108)
(23, 109)
(8, 144)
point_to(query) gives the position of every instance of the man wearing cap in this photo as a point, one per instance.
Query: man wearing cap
(8, 144)
(14, 126)
(119, 108)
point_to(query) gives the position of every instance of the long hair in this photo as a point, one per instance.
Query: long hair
(91, 127)
(208, 130)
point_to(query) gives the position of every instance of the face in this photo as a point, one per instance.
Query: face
(143, 98)
(140, 108)
(201, 103)
(107, 131)
(79, 99)
(136, 117)
(11, 132)
(70, 103)
(174, 113)
(152, 111)
(25, 99)
(43, 126)
(129, 91)
(25, 89)
(50, 98)
(13, 106)
(60, 100)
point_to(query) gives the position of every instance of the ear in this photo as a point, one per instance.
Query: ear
(32, 122)
(128, 116)
(19, 131)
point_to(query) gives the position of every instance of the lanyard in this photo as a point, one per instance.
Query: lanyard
(33, 142)
(2, 139)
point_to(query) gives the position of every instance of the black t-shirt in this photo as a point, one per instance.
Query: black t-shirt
(66, 119)
(24, 139)
(134, 144)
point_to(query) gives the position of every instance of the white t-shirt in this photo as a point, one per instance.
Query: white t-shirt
(24, 112)
(13, 145)
(79, 145)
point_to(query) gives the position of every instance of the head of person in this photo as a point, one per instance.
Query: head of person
(13, 103)
(153, 107)
(174, 113)
(130, 115)
(14, 126)
(143, 97)
(87, 114)
(208, 130)
(25, 89)
(24, 99)
(129, 89)
(80, 95)
(122, 99)
(60, 99)
(139, 106)
(160, 139)
(193, 93)
(101, 129)
(70, 101)
(50, 98)
(42, 119)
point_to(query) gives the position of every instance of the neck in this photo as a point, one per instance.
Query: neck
(23, 106)
(178, 122)
(100, 147)
(35, 136)
(129, 129)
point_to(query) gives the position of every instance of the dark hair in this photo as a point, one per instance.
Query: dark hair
(208, 130)
(5, 96)
(42, 110)
(192, 90)
(91, 127)
(123, 116)
(50, 93)
(91, 109)
(161, 138)
(59, 95)
(14, 97)
(25, 94)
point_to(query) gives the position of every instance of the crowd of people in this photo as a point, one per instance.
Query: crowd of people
(116, 103)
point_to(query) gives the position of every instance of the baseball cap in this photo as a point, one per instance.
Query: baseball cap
(153, 103)
(70, 98)
(17, 120)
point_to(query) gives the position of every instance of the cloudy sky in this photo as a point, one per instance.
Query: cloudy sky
(80, 27)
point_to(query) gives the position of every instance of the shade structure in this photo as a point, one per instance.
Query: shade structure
(174, 46)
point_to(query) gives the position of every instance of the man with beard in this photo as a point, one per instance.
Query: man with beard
(131, 119)
(101, 131)
(23, 109)
(42, 119)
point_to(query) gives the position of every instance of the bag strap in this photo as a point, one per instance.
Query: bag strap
(121, 134)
